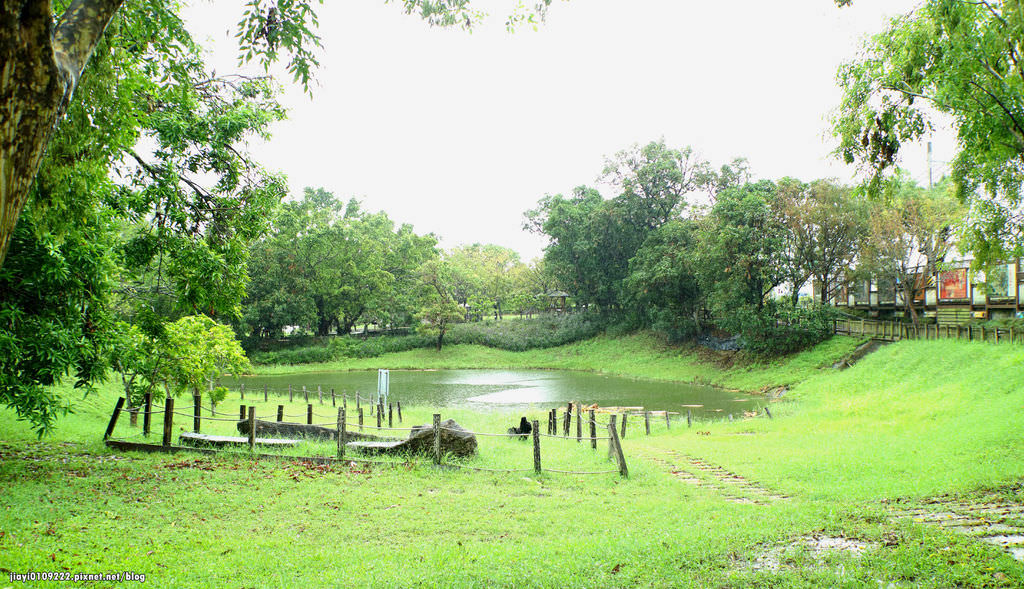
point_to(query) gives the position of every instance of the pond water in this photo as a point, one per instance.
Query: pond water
(516, 389)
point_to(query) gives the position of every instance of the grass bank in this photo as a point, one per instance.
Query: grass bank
(913, 421)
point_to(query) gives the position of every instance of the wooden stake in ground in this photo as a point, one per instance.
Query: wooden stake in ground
(341, 432)
(168, 420)
(437, 438)
(536, 446)
(593, 431)
(309, 414)
(360, 417)
(399, 403)
(619, 457)
(252, 429)
(113, 419)
(624, 415)
(241, 412)
(148, 416)
(266, 395)
(612, 424)
(647, 422)
(197, 406)
(280, 412)
(579, 423)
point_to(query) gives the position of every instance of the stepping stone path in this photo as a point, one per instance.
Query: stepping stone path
(701, 473)
(1000, 524)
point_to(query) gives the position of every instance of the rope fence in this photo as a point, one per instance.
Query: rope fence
(342, 425)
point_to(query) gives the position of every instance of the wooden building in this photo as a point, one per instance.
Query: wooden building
(951, 296)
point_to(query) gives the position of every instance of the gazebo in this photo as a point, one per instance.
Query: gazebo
(557, 298)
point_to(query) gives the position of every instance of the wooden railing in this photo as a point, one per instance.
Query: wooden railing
(899, 330)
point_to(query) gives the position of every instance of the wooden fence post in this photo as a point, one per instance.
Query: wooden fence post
(536, 446)
(291, 396)
(360, 417)
(334, 401)
(689, 418)
(624, 416)
(567, 421)
(305, 394)
(280, 412)
(320, 394)
(668, 424)
(241, 392)
(399, 404)
(647, 422)
(197, 406)
(437, 438)
(252, 428)
(768, 412)
(378, 417)
(593, 431)
(341, 432)
(266, 395)
(241, 413)
(113, 418)
(148, 416)
(612, 424)
(391, 408)
(619, 457)
(168, 420)
(579, 422)
(358, 406)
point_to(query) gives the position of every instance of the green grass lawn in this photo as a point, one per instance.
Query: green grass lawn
(911, 421)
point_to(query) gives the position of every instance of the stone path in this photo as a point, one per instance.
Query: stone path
(997, 523)
(701, 473)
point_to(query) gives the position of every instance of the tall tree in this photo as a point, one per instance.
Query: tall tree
(963, 60)
(45, 54)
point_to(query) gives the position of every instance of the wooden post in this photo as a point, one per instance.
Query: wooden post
(334, 401)
(619, 457)
(768, 412)
(344, 400)
(113, 418)
(391, 408)
(280, 412)
(168, 420)
(437, 438)
(668, 425)
(197, 406)
(305, 394)
(148, 416)
(593, 431)
(360, 417)
(689, 418)
(252, 429)
(567, 422)
(378, 418)
(624, 416)
(320, 394)
(612, 424)
(341, 432)
(358, 406)
(309, 414)
(241, 391)
(241, 413)
(536, 446)
(291, 397)
(380, 412)
(647, 422)
(997, 335)
(266, 395)
(399, 403)
(579, 423)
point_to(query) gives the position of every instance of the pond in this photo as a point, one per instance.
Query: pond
(501, 390)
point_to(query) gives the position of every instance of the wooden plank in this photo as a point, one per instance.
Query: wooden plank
(193, 439)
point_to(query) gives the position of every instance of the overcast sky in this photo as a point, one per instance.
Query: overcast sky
(460, 133)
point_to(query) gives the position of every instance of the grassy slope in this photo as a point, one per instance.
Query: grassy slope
(912, 420)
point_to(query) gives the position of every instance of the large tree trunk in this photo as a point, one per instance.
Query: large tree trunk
(41, 65)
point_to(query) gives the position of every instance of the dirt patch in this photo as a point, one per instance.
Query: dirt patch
(816, 546)
(992, 522)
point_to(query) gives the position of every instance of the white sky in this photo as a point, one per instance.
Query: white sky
(460, 133)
